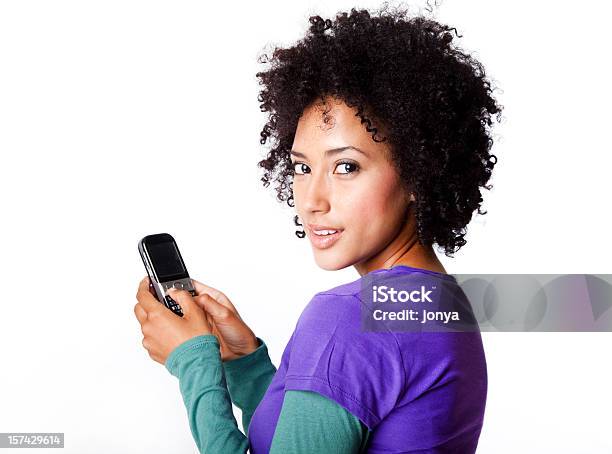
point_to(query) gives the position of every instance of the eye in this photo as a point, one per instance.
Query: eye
(346, 166)
(301, 166)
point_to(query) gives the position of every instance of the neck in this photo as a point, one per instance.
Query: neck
(404, 249)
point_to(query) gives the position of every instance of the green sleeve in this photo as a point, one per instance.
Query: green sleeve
(248, 378)
(198, 366)
(310, 423)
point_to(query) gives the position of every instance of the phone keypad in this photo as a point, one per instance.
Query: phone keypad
(173, 305)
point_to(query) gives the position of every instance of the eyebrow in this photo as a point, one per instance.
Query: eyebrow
(331, 151)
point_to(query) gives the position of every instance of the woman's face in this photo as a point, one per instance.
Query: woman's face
(337, 187)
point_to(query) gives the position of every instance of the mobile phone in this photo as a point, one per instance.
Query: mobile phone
(166, 269)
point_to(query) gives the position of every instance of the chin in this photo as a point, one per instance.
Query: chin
(329, 261)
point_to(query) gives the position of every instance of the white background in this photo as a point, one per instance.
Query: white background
(120, 119)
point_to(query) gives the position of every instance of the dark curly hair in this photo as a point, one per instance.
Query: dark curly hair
(404, 78)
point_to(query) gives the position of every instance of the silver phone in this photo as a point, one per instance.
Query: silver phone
(166, 269)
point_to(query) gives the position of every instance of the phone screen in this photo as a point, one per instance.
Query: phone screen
(166, 260)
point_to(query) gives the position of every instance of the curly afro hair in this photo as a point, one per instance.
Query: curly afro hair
(404, 78)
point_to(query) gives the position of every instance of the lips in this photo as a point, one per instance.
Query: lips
(323, 241)
(319, 227)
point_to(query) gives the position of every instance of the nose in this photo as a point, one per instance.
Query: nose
(316, 193)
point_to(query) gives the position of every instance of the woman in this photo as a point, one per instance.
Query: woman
(380, 141)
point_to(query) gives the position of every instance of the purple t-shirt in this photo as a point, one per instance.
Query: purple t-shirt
(417, 391)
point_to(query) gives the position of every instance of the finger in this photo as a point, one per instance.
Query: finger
(185, 300)
(145, 280)
(208, 303)
(146, 343)
(141, 314)
(216, 294)
(145, 298)
(218, 311)
(200, 287)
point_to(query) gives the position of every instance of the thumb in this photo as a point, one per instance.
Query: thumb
(185, 300)
(217, 311)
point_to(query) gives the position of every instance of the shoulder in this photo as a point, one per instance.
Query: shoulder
(349, 288)
(331, 304)
(338, 316)
(362, 371)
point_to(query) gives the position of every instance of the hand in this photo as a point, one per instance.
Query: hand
(163, 330)
(236, 339)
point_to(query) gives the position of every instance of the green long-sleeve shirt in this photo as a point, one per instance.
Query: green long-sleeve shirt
(308, 422)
